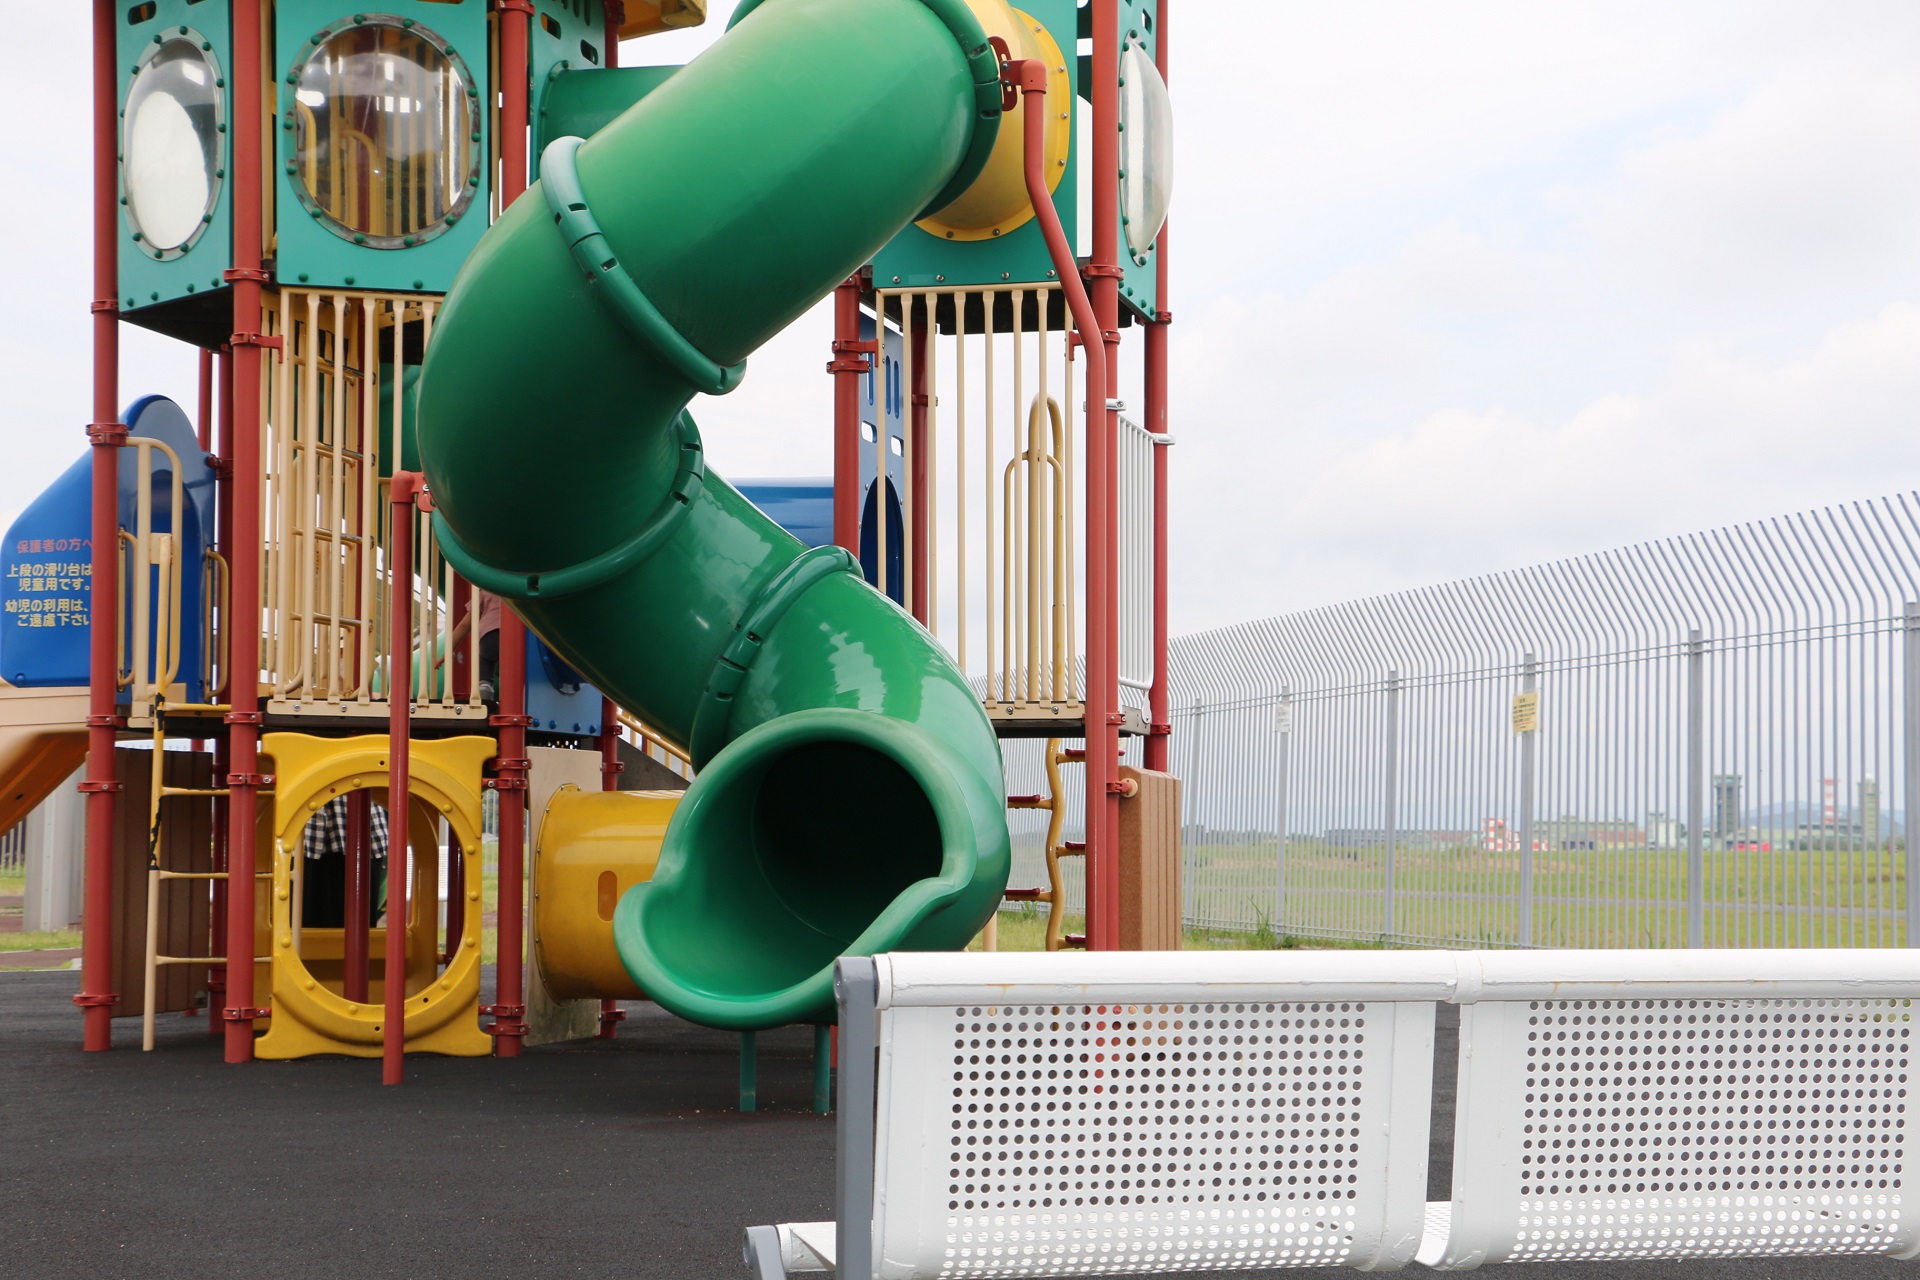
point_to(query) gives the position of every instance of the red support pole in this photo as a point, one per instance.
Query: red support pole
(243, 628)
(917, 402)
(1159, 696)
(393, 1037)
(1103, 579)
(510, 767)
(509, 1009)
(206, 400)
(359, 908)
(616, 17)
(611, 1015)
(1102, 818)
(849, 363)
(460, 675)
(106, 433)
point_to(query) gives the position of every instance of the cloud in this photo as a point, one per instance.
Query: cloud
(1720, 438)
(1457, 287)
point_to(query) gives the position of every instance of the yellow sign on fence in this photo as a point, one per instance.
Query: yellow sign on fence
(1526, 712)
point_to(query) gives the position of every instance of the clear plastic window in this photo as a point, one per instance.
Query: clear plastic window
(1146, 149)
(170, 147)
(385, 151)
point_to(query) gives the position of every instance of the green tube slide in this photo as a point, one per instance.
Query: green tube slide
(850, 797)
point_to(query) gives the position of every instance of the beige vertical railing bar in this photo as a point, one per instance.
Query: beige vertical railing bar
(306, 551)
(1058, 540)
(880, 444)
(277, 492)
(1016, 533)
(932, 444)
(960, 468)
(1037, 493)
(1045, 510)
(1074, 647)
(366, 519)
(989, 475)
(437, 656)
(139, 599)
(909, 504)
(336, 506)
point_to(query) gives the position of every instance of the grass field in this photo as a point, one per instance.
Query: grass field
(1467, 896)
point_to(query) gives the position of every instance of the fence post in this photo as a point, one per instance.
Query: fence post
(1696, 788)
(1189, 796)
(1910, 768)
(1283, 725)
(1529, 683)
(1393, 796)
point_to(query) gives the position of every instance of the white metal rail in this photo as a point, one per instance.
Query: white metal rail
(1026, 1115)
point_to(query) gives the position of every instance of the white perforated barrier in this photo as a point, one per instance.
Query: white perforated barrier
(1681, 1104)
(1151, 1112)
(1014, 1115)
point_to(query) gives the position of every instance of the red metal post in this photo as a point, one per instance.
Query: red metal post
(106, 433)
(393, 1037)
(616, 17)
(848, 364)
(206, 400)
(611, 1014)
(918, 399)
(459, 673)
(359, 908)
(1102, 818)
(243, 628)
(1103, 694)
(1159, 697)
(510, 768)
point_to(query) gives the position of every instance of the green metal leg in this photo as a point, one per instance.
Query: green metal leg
(749, 1073)
(822, 1070)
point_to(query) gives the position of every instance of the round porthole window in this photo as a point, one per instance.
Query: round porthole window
(1146, 150)
(171, 145)
(383, 125)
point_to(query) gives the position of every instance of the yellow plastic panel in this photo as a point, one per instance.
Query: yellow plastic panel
(310, 1015)
(593, 847)
(997, 201)
(650, 17)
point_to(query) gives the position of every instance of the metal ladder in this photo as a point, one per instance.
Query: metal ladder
(148, 672)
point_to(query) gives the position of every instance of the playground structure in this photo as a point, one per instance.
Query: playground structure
(419, 391)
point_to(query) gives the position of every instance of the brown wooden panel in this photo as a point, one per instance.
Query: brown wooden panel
(186, 844)
(1149, 848)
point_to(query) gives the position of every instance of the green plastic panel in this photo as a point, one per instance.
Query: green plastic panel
(309, 252)
(920, 259)
(568, 36)
(144, 282)
(578, 104)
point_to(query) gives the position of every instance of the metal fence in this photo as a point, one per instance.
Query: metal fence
(13, 850)
(1710, 740)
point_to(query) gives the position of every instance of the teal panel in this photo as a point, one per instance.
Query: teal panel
(920, 259)
(147, 280)
(567, 36)
(1139, 288)
(308, 250)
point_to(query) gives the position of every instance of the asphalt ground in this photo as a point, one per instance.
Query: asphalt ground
(621, 1158)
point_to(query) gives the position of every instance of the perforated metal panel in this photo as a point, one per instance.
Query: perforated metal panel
(1664, 1128)
(1091, 1139)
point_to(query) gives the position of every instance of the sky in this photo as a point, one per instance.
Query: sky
(1456, 288)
